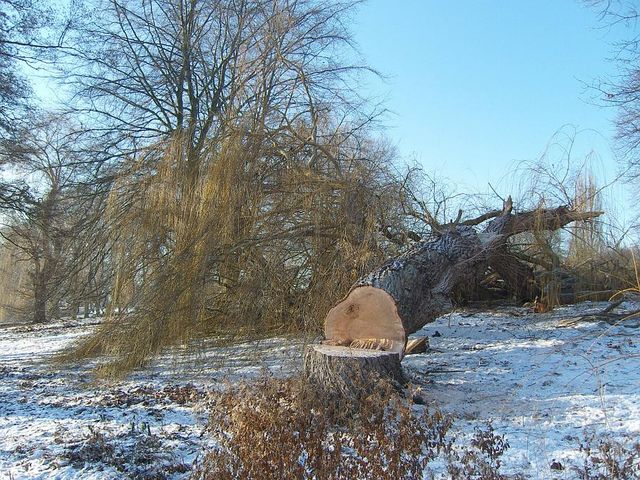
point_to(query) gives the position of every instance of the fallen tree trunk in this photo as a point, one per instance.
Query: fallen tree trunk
(407, 292)
(518, 275)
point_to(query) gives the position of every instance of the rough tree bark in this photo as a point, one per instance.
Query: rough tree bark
(409, 291)
(350, 372)
(39, 295)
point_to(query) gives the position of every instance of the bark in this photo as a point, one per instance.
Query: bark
(351, 372)
(39, 297)
(518, 276)
(421, 281)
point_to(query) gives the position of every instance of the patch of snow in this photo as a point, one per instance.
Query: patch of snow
(56, 423)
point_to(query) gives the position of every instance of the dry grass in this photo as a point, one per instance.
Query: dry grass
(286, 429)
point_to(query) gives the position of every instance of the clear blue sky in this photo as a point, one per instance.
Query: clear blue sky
(475, 85)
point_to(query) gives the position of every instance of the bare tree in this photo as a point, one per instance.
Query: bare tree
(31, 31)
(16, 22)
(52, 209)
(621, 91)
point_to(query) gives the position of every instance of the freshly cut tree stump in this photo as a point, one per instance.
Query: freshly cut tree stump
(351, 372)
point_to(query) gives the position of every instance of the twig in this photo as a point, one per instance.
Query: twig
(604, 316)
(611, 306)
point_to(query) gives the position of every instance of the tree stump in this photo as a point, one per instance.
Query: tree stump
(351, 372)
(366, 333)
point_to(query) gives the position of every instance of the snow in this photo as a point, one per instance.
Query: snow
(56, 422)
(544, 386)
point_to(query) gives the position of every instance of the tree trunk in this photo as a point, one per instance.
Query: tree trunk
(409, 291)
(39, 297)
(517, 275)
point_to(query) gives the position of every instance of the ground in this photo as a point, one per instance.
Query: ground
(545, 386)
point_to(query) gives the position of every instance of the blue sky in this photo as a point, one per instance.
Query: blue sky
(476, 85)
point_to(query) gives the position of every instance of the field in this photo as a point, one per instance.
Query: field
(544, 381)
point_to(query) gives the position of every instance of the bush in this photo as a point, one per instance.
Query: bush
(284, 429)
(482, 460)
(606, 459)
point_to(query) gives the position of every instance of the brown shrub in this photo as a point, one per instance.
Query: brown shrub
(606, 459)
(284, 429)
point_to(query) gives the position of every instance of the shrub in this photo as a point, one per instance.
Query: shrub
(284, 429)
(606, 459)
(482, 460)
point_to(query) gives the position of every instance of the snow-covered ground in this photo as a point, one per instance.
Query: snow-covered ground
(56, 422)
(547, 388)
(544, 386)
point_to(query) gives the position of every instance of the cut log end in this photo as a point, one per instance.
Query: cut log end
(366, 318)
(351, 372)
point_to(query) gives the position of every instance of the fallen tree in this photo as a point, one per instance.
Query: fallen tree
(407, 292)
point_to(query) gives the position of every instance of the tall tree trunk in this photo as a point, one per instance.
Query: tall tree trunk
(39, 296)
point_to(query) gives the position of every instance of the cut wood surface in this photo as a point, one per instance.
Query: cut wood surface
(371, 313)
(417, 345)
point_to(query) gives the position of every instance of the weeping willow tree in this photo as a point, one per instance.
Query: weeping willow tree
(247, 189)
(587, 238)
